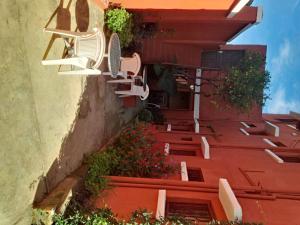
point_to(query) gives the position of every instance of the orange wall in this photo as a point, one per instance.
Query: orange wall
(183, 34)
(268, 192)
(175, 4)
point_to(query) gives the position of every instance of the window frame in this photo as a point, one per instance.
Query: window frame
(189, 202)
(195, 169)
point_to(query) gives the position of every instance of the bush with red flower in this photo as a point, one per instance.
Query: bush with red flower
(130, 155)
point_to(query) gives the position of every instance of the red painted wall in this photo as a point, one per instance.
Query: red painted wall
(176, 4)
(183, 34)
(268, 192)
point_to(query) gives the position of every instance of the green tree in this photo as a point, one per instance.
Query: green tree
(240, 87)
(246, 84)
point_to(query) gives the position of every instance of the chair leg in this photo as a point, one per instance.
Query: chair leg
(66, 33)
(129, 93)
(120, 81)
(124, 96)
(122, 74)
(81, 72)
(76, 61)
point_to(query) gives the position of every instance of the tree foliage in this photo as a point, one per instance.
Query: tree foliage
(120, 21)
(246, 84)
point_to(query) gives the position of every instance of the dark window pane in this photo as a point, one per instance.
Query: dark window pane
(262, 133)
(279, 144)
(287, 120)
(290, 159)
(183, 152)
(187, 138)
(192, 211)
(195, 175)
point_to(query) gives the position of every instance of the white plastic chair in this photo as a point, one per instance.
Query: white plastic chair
(135, 90)
(87, 53)
(129, 66)
(132, 64)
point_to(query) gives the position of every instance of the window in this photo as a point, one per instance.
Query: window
(287, 120)
(279, 144)
(247, 124)
(187, 138)
(182, 127)
(200, 212)
(195, 175)
(289, 157)
(274, 143)
(183, 152)
(260, 132)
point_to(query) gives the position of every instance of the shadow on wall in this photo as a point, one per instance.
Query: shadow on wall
(63, 20)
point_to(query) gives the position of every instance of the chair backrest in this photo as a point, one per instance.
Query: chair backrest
(132, 64)
(91, 46)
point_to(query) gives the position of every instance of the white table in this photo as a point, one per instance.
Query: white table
(114, 55)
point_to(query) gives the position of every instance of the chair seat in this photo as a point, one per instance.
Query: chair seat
(89, 49)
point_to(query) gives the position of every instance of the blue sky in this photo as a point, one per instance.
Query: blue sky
(280, 31)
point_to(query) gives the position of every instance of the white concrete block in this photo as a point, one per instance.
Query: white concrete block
(231, 206)
(167, 148)
(244, 131)
(272, 129)
(274, 156)
(184, 173)
(161, 204)
(205, 148)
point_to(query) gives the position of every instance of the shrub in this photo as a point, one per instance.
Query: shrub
(99, 165)
(120, 21)
(41, 217)
(152, 115)
(145, 115)
(101, 216)
(130, 155)
(105, 216)
(216, 222)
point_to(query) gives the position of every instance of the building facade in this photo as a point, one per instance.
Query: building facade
(232, 165)
(259, 159)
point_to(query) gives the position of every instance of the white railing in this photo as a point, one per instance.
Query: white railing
(197, 126)
(197, 99)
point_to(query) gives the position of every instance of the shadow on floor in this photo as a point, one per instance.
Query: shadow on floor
(63, 21)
